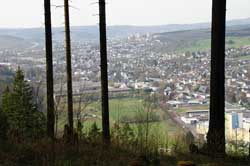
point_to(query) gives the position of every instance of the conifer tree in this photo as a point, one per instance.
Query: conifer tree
(3, 126)
(21, 111)
(7, 106)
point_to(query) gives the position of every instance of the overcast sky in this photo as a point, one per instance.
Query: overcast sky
(29, 13)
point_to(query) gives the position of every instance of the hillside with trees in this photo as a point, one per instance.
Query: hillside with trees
(89, 126)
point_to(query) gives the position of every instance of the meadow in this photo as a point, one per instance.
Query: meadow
(205, 44)
(124, 107)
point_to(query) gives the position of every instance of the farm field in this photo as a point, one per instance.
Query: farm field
(126, 107)
(205, 44)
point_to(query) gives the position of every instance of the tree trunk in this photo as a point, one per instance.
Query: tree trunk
(49, 70)
(69, 69)
(216, 133)
(104, 72)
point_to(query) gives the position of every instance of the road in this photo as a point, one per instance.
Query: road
(177, 119)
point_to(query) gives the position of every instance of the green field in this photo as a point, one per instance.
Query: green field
(126, 107)
(120, 107)
(205, 45)
(201, 45)
(194, 107)
(131, 107)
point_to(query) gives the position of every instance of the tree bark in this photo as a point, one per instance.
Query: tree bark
(49, 70)
(104, 72)
(69, 68)
(216, 133)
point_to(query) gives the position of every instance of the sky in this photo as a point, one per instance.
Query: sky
(29, 13)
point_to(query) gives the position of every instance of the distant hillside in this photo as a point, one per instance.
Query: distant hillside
(8, 42)
(199, 39)
(191, 35)
(83, 33)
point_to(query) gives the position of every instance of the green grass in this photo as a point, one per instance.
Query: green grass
(239, 41)
(205, 45)
(120, 107)
(130, 107)
(117, 109)
(202, 45)
(198, 107)
(125, 107)
(181, 110)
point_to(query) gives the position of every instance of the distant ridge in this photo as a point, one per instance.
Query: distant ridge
(8, 41)
(84, 33)
(187, 38)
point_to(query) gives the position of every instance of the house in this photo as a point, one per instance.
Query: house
(167, 91)
(189, 120)
(203, 89)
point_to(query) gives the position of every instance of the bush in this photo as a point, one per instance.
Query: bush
(239, 148)
(94, 132)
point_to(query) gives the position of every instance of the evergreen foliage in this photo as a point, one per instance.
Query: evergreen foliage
(4, 125)
(22, 114)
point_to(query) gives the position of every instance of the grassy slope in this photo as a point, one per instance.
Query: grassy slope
(127, 107)
(130, 107)
(205, 44)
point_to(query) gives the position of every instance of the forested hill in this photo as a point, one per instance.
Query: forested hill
(198, 34)
(200, 38)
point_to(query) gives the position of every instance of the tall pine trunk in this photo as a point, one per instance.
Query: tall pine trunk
(104, 72)
(49, 70)
(216, 133)
(68, 63)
